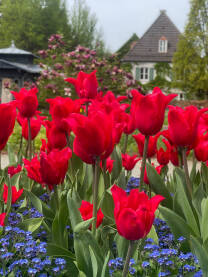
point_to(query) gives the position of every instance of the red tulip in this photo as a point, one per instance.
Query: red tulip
(15, 194)
(35, 124)
(53, 166)
(201, 149)
(2, 218)
(129, 126)
(109, 164)
(174, 155)
(158, 169)
(61, 108)
(134, 213)
(94, 136)
(86, 85)
(183, 125)
(7, 122)
(56, 137)
(149, 110)
(27, 101)
(14, 170)
(86, 210)
(129, 162)
(163, 156)
(33, 169)
(151, 145)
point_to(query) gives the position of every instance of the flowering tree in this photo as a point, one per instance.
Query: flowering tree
(58, 64)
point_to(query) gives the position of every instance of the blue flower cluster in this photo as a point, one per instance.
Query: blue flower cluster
(162, 259)
(118, 263)
(132, 184)
(23, 253)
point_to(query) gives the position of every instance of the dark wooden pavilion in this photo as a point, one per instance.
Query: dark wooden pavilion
(16, 67)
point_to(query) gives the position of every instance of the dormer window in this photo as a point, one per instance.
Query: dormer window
(163, 45)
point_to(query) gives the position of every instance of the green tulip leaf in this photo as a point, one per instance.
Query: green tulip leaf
(105, 269)
(201, 254)
(31, 224)
(204, 220)
(58, 251)
(83, 226)
(94, 262)
(158, 185)
(185, 206)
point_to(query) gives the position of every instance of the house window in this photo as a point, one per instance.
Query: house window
(163, 45)
(144, 73)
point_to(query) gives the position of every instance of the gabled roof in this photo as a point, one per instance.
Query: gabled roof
(146, 49)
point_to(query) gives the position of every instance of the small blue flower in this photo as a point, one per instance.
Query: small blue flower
(189, 268)
(32, 271)
(154, 254)
(145, 264)
(23, 262)
(181, 239)
(132, 270)
(56, 269)
(60, 261)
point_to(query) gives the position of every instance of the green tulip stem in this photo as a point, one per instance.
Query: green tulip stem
(29, 139)
(0, 160)
(128, 257)
(125, 143)
(95, 195)
(185, 164)
(144, 160)
(56, 196)
(105, 174)
(180, 154)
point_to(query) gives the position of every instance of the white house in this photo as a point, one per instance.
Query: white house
(158, 44)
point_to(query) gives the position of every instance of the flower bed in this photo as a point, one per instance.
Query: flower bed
(71, 209)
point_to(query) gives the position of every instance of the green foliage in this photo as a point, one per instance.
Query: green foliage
(83, 26)
(15, 139)
(190, 60)
(31, 22)
(124, 49)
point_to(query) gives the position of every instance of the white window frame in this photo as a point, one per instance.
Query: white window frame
(163, 46)
(144, 73)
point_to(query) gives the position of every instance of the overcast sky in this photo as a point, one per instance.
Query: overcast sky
(119, 19)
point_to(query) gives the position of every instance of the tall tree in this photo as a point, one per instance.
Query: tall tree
(190, 62)
(84, 26)
(31, 22)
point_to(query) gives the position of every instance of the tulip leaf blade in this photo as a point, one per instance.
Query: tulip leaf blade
(105, 268)
(158, 185)
(177, 224)
(153, 235)
(83, 226)
(94, 262)
(201, 254)
(107, 205)
(31, 224)
(117, 166)
(74, 203)
(185, 206)
(59, 225)
(57, 251)
(204, 219)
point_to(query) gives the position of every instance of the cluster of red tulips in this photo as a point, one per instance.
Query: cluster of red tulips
(97, 122)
